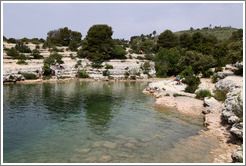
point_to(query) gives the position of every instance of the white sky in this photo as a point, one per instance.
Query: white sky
(36, 19)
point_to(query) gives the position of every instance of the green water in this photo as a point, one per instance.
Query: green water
(80, 122)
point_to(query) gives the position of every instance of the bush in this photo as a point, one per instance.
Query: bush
(96, 63)
(239, 71)
(36, 54)
(201, 94)
(21, 62)
(106, 73)
(192, 82)
(187, 72)
(21, 47)
(12, 52)
(30, 76)
(47, 70)
(149, 57)
(220, 95)
(140, 57)
(217, 69)
(215, 78)
(146, 67)
(82, 74)
(127, 74)
(207, 74)
(107, 66)
(119, 53)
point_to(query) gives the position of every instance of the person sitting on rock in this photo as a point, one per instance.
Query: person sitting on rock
(178, 79)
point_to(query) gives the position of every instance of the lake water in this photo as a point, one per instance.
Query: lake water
(83, 122)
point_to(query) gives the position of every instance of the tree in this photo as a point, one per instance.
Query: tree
(166, 62)
(185, 40)
(154, 33)
(167, 39)
(63, 37)
(99, 43)
(237, 35)
(198, 61)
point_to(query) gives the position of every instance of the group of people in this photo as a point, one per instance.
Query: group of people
(40, 72)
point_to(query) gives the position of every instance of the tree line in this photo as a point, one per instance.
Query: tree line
(172, 54)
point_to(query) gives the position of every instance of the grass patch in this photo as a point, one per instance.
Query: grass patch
(201, 94)
(220, 95)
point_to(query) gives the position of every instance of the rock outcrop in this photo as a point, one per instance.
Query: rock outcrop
(13, 78)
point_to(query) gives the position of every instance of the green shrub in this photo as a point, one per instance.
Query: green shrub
(167, 94)
(82, 74)
(220, 95)
(127, 74)
(96, 64)
(21, 62)
(149, 57)
(176, 94)
(187, 72)
(217, 69)
(215, 78)
(46, 70)
(146, 67)
(207, 74)
(133, 77)
(239, 71)
(12, 52)
(192, 82)
(107, 66)
(36, 54)
(201, 94)
(30, 76)
(140, 57)
(21, 47)
(106, 73)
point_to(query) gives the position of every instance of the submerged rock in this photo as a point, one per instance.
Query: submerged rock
(109, 145)
(129, 145)
(84, 150)
(90, 160)
(105, 159)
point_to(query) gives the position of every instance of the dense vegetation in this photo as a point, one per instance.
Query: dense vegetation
(187, 53)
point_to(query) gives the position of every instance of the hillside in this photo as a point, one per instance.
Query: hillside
(222, 33)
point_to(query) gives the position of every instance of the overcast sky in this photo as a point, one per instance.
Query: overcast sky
(36, 19)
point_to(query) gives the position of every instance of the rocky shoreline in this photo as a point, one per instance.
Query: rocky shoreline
(223, 121)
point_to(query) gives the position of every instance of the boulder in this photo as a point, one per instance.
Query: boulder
(238, 156)
(211, 102)
(237, 130)
(229, 83)
(222, 74)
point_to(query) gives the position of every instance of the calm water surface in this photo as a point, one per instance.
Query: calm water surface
(80, 122)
